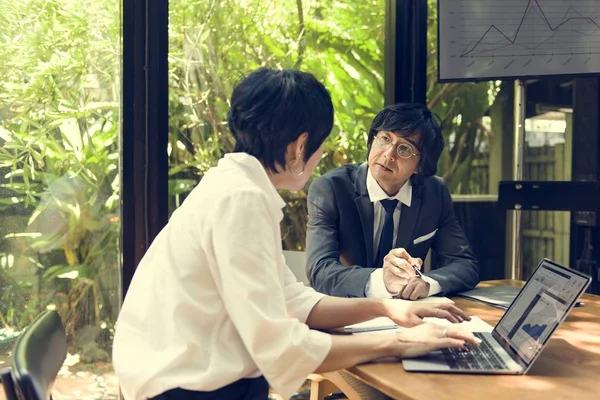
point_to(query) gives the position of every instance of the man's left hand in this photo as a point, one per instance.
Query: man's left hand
(416, 288)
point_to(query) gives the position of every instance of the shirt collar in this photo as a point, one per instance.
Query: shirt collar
(256, 171)
(376, 193)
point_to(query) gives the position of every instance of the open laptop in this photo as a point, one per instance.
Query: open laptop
(525, 328)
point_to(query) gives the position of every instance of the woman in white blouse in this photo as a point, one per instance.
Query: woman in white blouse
(213, 312)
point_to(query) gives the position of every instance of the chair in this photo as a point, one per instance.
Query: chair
(351, 387)
(37, 357)
(296, 261)
(321, 385)
(7, 383)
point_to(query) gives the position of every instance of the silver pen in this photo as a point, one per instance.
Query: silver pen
(419, 274)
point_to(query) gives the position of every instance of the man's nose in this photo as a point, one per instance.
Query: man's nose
(390, 152)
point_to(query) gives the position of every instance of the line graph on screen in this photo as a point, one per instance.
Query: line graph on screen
(536, 33)
(483, 38)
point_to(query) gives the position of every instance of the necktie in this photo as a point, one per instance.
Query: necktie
(387, 233)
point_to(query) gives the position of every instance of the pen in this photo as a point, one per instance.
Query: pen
(419, 274)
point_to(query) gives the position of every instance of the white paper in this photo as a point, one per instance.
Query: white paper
(375, 324)
(382, 323)
(476, 324)
(434, 300)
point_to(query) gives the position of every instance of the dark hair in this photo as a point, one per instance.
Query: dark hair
(408, 120)
(270, 109)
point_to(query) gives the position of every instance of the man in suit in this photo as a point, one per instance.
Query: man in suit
(371, 225)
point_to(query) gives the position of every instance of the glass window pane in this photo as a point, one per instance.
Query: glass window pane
(59, 177)
(474, 126)
(471, 115)
(212, 44)
(478, 130)
(548, 143)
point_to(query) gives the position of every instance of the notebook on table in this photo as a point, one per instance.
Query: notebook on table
(383, 323)
(525, 328)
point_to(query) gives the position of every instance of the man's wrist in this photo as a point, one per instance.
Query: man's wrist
(375, 287)
(434, 286)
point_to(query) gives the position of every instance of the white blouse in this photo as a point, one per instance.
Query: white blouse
(212, 300)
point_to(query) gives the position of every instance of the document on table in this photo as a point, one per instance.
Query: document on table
(476, 324)
(382, 323)
(434, 300)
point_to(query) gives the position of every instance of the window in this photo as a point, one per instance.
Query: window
(213, 43)
(59, 193)
(471, 115)
(548, 141)
(478, 131)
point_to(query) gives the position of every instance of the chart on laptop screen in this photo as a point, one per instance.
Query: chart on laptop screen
(538, 310)
(536, 324)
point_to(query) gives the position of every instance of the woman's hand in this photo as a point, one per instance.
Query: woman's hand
(427, 337)
(408, 313)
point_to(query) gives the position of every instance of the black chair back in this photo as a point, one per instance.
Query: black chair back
(7, 383)
(38, 356)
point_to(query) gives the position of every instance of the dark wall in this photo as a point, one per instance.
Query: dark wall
(485, 226)
(585, 232)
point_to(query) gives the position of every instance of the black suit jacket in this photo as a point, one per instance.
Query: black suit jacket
(339, 240)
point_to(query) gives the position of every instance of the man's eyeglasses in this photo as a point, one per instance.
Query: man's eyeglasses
(404, 150)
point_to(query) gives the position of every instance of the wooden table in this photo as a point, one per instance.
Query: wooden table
(568, 368)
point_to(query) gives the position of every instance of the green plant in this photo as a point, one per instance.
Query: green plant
(59, 134)
(343, 46)
(59, 104)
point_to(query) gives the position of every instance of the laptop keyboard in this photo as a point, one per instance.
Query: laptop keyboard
(482, 357)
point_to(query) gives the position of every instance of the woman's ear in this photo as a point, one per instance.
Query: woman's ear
(297, 149)
(301, 144)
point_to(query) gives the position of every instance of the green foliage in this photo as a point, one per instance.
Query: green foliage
(208, 56)
(342, 46)
(213, 44)
(59, 108)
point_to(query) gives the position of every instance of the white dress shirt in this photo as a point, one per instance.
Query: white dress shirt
(375, 285)
(212, 300)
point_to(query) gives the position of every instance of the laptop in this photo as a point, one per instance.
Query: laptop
(525, 328)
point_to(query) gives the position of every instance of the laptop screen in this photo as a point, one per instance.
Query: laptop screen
(539, 308)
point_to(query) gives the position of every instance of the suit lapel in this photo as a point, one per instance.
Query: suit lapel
(365, 210)
(408, 220)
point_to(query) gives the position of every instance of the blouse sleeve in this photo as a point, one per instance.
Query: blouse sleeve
(300, 299)
(247, 255)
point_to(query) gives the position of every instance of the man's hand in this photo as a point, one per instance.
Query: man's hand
(408, 314)
(426, 338)
(398, 269)
(416, 288)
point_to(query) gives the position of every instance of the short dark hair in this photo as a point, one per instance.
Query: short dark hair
(408, 120)
(271, 108)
